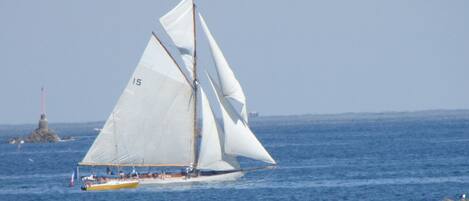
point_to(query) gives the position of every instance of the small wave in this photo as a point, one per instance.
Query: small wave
(449, 140)
(33, 176)
(27, 190)
(40, 152)
(68, 140)
(276, 145)
(390, 181)
(305, 167)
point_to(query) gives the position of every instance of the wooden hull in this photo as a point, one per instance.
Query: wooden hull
(111, 185)
(182, 179)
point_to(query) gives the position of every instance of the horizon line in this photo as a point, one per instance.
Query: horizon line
(281, 115)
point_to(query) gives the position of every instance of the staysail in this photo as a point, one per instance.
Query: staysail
(239, 139)
(229, 85)
(152, 122)
(179, 23)
(212, 156)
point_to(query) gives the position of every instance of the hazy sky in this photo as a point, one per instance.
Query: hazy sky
(292, 57)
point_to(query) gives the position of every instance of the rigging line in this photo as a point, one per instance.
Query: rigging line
(115, 137)
(174, 60)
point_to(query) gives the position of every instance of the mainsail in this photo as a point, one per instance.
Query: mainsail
(211, 155)
(152, 122)
(179, 24)
(229, 85)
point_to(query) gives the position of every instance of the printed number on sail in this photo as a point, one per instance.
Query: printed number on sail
(137, 81)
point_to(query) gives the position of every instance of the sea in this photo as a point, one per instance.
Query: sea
(391, 156)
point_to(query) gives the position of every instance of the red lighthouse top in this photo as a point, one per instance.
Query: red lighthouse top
(43, 101)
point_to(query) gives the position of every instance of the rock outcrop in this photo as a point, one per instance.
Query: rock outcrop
(40, 135)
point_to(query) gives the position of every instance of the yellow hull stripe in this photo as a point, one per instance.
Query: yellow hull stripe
(103, 187)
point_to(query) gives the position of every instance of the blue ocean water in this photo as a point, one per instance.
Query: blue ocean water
(384, 156)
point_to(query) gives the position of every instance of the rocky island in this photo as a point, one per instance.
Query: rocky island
(42, 134)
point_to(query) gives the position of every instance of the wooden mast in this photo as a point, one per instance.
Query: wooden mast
(194, 73)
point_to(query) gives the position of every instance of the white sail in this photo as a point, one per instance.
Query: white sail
(211, 155)
(229, 85)
(179, 24)
(152, 122)
(239, 139)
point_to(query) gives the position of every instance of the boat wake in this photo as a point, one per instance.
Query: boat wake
(357, 182)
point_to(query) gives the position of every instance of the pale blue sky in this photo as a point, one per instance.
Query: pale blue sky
(292, 57)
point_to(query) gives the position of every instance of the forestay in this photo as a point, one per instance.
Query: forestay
(179, 24)
(211, 155)
(229, 85)
(239, 139)
(152, 122)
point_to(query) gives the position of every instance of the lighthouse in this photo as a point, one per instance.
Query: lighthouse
(42, 134)
(43, 124)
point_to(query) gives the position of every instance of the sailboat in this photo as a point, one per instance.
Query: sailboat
(164, 119)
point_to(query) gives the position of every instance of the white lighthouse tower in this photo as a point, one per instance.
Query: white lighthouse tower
(43, 124)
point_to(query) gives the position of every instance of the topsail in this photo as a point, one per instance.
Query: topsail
(179, 24)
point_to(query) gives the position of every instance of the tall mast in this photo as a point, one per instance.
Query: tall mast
(194, 73)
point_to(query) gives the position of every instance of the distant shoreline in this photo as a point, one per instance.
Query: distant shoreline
(344, 115)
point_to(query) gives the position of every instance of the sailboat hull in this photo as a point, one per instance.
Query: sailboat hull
(202, 178)
(111, 185)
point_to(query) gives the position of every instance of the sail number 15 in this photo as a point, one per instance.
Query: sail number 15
(137, 81)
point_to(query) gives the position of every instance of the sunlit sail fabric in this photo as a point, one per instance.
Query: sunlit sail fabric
(152, 122)
(229, 85)
(239, 139)
(211, 155)
(179, 24)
